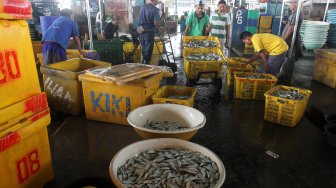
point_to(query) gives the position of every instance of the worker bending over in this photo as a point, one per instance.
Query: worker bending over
(270, 48)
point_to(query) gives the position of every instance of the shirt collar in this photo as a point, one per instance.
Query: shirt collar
(203, 14)
(218, 13)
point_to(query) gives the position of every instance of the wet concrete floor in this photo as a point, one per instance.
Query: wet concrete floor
(235, 130)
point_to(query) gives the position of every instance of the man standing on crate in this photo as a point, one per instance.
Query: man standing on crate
(149, 19)
(266, 44)
(56, 38)
(197, 22)
(287, 32)
(220, 24)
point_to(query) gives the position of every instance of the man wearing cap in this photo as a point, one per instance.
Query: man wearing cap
(264, 45)
(56, 38)
(287, 32)
(197, 22)
(149, 19)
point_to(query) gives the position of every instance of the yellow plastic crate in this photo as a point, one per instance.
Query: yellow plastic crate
(237, 60)
(64, 91)
(265, 22)
(187, 39)
(249, 88)
(23, 109)
(325, 67)
(265, 31)
(163, 94)
(236, 67)
(18, 75)
(70, 53)
(194, 68)
(155, 59)
(112, 103)
(158, 46)
(135, 57)
(282, 111)
(15, 9)
(128, 47)
(25, 153)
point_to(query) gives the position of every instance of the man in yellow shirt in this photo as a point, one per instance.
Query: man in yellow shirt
(266, 44)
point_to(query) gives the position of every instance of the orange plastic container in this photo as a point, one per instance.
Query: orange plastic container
(18, 75)
(15, 9)
(25, 153)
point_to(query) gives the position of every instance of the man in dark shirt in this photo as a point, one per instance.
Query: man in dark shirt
(56, 39)
(111, 28)
(149, 19)
(287, 33)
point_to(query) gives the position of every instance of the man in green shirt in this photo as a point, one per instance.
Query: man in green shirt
(197, 22)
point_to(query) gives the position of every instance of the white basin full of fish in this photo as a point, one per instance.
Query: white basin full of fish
(167, 162)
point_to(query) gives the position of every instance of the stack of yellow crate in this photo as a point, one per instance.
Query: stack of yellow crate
(202, 69)
(236, 64)
(157, 51)
(24, 112)
(133, 56)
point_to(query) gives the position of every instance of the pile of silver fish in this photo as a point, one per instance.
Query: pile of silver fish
(201, 44)
(180, 97)
(204, 57)
(164, 126)
(253, 76)
(289, 94)
(169, 168)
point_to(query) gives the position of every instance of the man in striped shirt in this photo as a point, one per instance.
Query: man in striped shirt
(220, 23)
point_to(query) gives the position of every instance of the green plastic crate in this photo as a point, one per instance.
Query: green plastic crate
(253, 30)
(110, 50)
(253, 14)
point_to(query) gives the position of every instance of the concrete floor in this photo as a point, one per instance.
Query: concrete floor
(235, 130)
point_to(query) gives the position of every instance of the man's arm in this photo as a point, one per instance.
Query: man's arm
(262, 55)
(289, 32)
(78, 45)
(207, 25)
(157, 18)
(186, 32)
(253, 58)
(188, 24)
(209, 28)
(227, 27)
(210, 25)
